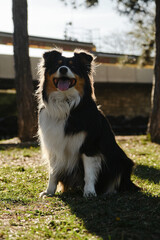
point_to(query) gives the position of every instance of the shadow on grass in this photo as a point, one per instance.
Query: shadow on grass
(146, 172)
(5, 146)
(120, 216)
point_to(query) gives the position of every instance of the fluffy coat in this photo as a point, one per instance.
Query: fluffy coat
(75, 137)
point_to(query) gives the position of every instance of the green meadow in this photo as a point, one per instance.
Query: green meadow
(130, 216)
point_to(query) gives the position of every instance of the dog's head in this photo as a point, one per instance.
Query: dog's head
(63, 73)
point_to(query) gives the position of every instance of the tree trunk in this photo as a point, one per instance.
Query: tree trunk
(27, 121)
(154, 124)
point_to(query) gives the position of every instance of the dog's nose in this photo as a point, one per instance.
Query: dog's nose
(63, 70)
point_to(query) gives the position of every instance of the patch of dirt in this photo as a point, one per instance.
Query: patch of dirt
(12, 153)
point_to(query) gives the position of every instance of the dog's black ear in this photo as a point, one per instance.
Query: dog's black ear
(50, 57)
(86, 59)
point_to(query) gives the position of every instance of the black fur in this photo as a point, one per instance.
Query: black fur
(100, 140)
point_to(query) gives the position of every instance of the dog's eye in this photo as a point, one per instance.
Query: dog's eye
(71, 65)
(60, 62)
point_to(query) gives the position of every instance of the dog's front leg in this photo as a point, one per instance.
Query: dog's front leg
(92, 166)
(52, 185)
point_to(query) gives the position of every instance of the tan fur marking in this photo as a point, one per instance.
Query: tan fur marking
(50, 87)
(70, 62)
(80, 85)
(60, 61)
(60, 187)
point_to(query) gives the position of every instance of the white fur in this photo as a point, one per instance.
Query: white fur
(60, 103)
(62, 151)
(92, 166)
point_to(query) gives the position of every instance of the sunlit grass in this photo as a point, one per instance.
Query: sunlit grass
(70, 216)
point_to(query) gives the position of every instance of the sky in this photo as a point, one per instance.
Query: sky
(48, 18)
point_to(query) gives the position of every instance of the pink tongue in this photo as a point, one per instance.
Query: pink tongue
(63, 85)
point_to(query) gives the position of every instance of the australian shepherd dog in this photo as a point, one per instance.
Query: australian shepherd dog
(75, 137)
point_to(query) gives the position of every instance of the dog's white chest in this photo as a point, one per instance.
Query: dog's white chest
(62, 150)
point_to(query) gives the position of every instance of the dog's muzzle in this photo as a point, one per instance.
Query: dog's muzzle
(64, 79)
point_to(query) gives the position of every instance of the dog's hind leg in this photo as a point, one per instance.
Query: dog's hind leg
(92, 166)
(60, 187)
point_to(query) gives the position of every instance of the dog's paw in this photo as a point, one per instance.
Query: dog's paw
(110, 192)
(46, 194)
(88, 194)
(89, 191)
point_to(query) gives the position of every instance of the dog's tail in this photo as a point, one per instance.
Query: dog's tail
(128, 186)
(133, 187)
(126, 183)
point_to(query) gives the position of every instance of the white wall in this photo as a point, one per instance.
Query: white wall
(123, 74)
(104, 72)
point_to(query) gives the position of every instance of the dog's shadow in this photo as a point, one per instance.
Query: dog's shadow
(118, 216)
(148, 172)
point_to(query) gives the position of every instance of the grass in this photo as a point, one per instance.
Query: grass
(123, 216)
